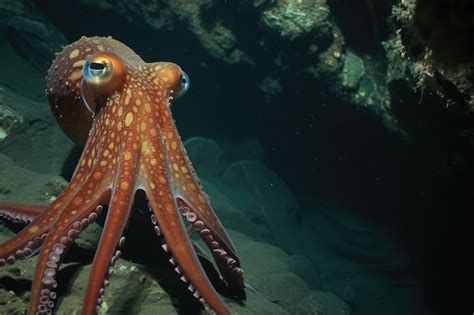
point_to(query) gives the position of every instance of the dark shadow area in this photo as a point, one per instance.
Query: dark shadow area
(19, 286)
(363, 22)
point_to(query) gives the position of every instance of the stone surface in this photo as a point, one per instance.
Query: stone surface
(330, 304)
(28, 42)
(32, 136)
(294, 18)
(353, 70)
(20, 185)
(9, 119)
(434, 44)
(333, 249)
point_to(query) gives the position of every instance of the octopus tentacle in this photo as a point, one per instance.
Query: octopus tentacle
(178, 242)
(225, 258)
(195, 206)
(19, 248)
(21, 212)
(32, 236)
(117, 218)
(187, 185)
(55, 246)
(79, 210)
(89, 187)
(162, 202)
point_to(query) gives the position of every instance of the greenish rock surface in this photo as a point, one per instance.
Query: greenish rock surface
(353, 70)
(134, 289)
(29, 126)
(296, 18)
(433, 42)
(20, 185)
(332, 249)
(28, 42)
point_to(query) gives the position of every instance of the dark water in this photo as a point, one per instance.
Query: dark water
(415, 187)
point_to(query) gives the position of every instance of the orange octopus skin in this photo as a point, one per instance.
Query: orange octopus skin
(131, 144)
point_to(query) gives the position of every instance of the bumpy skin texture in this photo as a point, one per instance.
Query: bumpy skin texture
(131, 143)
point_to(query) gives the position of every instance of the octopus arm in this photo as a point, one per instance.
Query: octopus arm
(116, 221)
(76, 212)
(194, 204)
(41, 219)
(158, 189)
(22, 212)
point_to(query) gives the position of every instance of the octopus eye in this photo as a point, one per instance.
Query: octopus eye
(97, 69)
(104, 73)
(183, 85)
(98, 72)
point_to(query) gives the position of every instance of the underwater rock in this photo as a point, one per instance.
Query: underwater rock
(11, 304)
(296, 18)
(353, 70)
(238, 206)
(205, 154)
(275, 278)
(330, 304)
(359, 262)
(250, 250)
(132, 290)
(304, 269)
(28, 42)
(20, 185)
(331, 249)
(154, 13)
(216, 38)
(237, 209)
(356, 80)
(366, 87)
(33, 138)
(15, 283)
(339, 247)
(250, 198)
(9, 119)
(291, 292)
(272, 202)
(434, 43)
(136, 289)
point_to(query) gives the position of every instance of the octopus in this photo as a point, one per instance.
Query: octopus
(106, 98)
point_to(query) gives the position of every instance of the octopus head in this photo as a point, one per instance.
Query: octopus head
(92, 72)
(105, 73)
